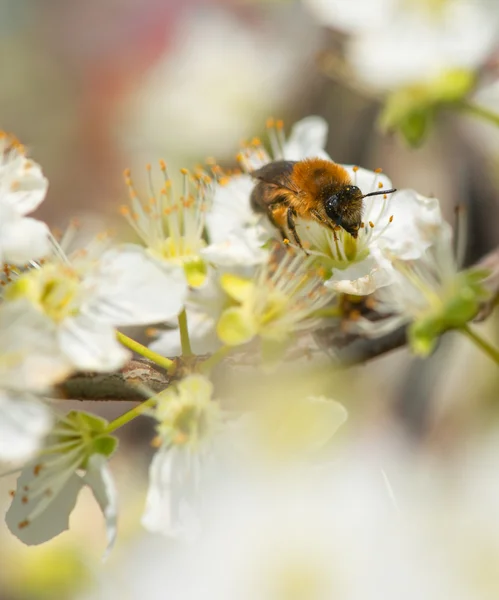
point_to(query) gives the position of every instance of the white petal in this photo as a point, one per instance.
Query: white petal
(25, 186)
(98, 477)
(242, 247)
(52, 521)
(91, 345)
(24, 239)
(231, 209)
(360, 278)
(307, 139)
(24, 422)
(415, 226)
(169, 509)
(133, 288)
(33, 360)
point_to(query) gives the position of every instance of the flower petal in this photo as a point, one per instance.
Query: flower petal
(231, 210)
(362, 278)
(91, 345)
(24, 422)
(242, 247)
(307, 139)
(23, 239)
(50, 522)
(171, 489)
(25, 186)
(132, 288)
(416, 222)
(98, 478)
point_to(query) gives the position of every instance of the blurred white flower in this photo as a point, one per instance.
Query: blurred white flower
(334, 533)
(206, 91)
(83, 297)
(22, 189)
(187, 421)
(75, 455)
(30, 364)
(399, 42)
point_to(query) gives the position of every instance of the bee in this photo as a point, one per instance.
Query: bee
(311, 189)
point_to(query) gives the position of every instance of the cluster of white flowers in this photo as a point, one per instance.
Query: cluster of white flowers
(222, 279)
(393, 43)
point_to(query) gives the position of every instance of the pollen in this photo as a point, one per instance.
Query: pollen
(380, 185)
(184, 171)
(390, 219)
(355, 169)
(371, 224)
(36, 469)
(12, 493)
(24, 499)
(23, 524)
(152, 332)
(378, 170)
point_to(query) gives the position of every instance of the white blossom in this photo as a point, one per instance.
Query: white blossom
(84, 296)
(187, 421)
(399, 42)
(22, 189)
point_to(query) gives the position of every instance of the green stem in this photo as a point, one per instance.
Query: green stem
(162, 361)
(208, 364)
(184, 334)
(130, 415)
(480, 112)
(478, 340)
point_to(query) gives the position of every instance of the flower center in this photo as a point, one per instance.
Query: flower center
(172, 228)
(53, 289)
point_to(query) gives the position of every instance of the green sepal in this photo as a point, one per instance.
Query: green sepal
(106, 445)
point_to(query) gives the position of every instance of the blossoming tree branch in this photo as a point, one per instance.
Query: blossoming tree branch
(223, 285)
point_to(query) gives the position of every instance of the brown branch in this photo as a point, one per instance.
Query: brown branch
(122, 385)
(348, 350)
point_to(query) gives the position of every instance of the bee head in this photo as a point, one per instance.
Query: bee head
(344, 208)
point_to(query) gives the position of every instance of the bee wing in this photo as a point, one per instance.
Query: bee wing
(277, 173)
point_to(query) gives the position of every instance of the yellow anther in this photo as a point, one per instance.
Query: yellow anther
(269, 123)
(184, 171)
(371, 224)
(390, 219)
(162, 164)
(380, 185)
(378, 170)
(355, 169)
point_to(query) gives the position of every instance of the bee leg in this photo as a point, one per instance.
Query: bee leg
(270, 213)
(292, 227)
(317, 216)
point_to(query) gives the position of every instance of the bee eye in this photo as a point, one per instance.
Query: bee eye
(331, 206)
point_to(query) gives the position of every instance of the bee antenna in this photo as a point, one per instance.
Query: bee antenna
(379, 192)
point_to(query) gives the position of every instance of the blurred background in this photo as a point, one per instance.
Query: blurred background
(94, 87)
